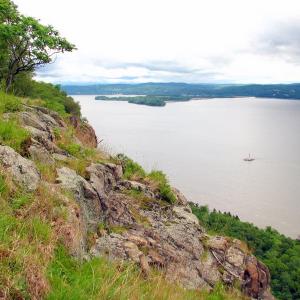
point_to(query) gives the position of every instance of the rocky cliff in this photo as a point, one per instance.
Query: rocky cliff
(124, 219)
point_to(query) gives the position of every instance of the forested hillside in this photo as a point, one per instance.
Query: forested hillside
(283, 91)
(280, 253)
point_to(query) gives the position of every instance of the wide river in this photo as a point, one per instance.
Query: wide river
(201, 144)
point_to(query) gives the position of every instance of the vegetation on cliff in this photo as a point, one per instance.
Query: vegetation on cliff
(157, 179)
(280, 253)
(40, 227)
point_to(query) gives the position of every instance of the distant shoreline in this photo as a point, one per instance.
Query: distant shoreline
(160, 101)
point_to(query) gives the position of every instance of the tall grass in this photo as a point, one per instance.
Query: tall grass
(13, 135)
(25, 245)
(9, 103)
(103, 279)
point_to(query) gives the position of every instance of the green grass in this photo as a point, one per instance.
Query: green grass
(20, 200)
(13, 135)
(157, 179)
(9, 103)
(103, 279)
(22, 246)
(3, 187)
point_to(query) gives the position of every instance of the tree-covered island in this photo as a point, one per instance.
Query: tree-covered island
(149, 100)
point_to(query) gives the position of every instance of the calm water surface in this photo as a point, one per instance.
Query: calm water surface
(201, 145)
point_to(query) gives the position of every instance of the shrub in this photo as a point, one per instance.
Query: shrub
(72, 148)
(11, 134)
(159, 178)
(55, 99)
(131, 169)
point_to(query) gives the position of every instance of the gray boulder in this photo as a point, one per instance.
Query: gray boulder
(40, 153)
(181, 199)
(84, 193)
(102, 178)
(23, 171)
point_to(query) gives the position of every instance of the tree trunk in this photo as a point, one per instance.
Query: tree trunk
(9, 81)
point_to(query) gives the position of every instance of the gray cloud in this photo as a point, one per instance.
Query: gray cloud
(282, 39)
(156, 65)
(160, 70)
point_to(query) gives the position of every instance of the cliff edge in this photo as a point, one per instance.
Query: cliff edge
(121, 217)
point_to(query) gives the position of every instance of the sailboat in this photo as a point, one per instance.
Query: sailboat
(249, 158)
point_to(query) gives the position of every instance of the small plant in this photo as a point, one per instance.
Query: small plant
(117, 229)
(160, 182)
(21, 200)
(57, 133)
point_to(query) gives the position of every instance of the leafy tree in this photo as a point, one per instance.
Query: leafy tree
(26, 43)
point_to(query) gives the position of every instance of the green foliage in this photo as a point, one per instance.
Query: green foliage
(280, 253)
(164, 187)
(26, 43)
(13, 135)
(131, 169)
(23, 84)
(55, 99)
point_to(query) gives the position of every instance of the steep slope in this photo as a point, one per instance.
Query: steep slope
(69, 193)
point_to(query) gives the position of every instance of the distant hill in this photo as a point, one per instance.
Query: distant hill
(283, 91)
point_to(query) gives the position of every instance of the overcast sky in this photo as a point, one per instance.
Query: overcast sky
(241, 41)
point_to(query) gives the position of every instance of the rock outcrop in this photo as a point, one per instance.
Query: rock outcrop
(84, 132)
(170, 238)
(84, 193)
(139, 227)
